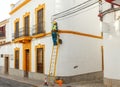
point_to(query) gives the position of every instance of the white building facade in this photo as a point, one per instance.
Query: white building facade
(111, 35)
(81, 53)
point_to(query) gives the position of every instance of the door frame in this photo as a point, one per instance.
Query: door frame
(6, 66)
(26, 63)
(26, 46)
(36, 47)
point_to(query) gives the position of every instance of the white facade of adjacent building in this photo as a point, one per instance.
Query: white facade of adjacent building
(111, 35)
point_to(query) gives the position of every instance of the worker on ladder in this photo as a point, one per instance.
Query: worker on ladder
(55, 33)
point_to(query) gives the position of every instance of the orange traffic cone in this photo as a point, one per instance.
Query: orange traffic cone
(59, 82)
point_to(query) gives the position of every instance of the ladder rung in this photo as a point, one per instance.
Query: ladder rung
(55, 46)
(53, 63)
(53, 56)
(54, 51)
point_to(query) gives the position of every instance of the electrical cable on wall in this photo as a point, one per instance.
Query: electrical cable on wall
(74, 9)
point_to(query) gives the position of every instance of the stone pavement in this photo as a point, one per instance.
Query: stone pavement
(38, 83)
(87, 84)
(12, 83)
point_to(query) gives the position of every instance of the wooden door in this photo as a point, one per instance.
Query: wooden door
(27, 62)
(40, 60)
(6, 65)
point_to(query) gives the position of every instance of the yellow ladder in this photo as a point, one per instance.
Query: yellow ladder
(53, 62)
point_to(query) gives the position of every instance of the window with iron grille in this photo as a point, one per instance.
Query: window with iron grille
(26, 24)
(16, 29)
(2, 31)
(40, 60)
(40, 28)
(16, 59)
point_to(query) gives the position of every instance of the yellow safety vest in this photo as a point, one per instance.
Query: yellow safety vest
(54, 27)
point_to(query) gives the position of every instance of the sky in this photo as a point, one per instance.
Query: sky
(5, 8)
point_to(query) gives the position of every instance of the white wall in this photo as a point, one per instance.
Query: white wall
(112, 58)
(85, 21)
(32, 5)
(112, 49)
(6, 49)
(62, 5)
(47, 55)
(18, 45)
(49, 10)
(80, 51)
(8, 32)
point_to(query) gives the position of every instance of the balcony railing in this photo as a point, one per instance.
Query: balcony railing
(37, 30)
(22, 32)
(34, 30)
(2, 34)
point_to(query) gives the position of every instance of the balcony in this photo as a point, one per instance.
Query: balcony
(21, 36)
(24, 35)
(2, 32)
(37, 31)
(2, 35)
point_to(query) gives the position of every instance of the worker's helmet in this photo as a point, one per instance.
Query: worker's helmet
(54, 22)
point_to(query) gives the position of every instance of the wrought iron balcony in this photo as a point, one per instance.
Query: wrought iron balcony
(2, 34)
(37, 30)
(27, 32)
(21, 33)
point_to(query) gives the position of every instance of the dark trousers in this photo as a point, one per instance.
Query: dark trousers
(54, 38)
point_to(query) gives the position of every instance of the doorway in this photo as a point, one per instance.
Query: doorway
(39, 60)
(26, 63)
(6, 65)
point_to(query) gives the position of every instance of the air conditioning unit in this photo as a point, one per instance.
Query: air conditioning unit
(114, 2)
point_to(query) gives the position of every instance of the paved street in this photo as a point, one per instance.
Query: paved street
(88, 84)
(20, 82)
(85, 84)
(11, 83)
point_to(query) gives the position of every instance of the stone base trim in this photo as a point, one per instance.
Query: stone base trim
(95, 76)
(31, 75)
(111, 82)
(2, 70)
(36, 76)
(16, 72)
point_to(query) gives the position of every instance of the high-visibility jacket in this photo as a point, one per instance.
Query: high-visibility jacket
(55, 27)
